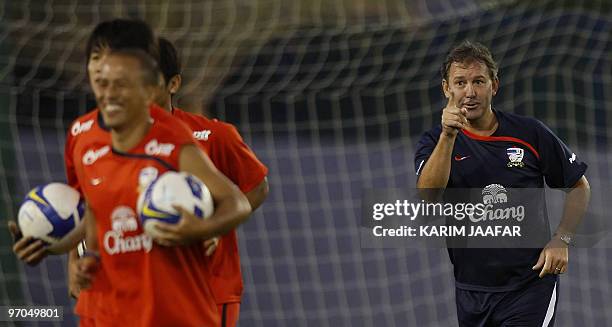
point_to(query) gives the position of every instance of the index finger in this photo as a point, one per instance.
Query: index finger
(181, 210)
(165, 228)
(165, 238)
(546, 268)
(459, 109)
(23, 243)
(452, 108)
(165, 235)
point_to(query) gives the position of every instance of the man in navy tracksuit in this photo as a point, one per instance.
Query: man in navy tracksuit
(481, 148)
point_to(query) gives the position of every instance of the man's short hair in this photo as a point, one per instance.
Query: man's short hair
(122, 33)
(169, 61)
(150, 73)
(467, 52)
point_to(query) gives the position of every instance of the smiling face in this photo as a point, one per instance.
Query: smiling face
(123, 96)
(470, 86)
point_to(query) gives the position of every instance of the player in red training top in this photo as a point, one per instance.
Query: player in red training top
(108, 35)
(234, 159)
(230, 155)
(225, 147)
(142, 282)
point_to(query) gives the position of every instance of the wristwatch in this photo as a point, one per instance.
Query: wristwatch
(565, 238)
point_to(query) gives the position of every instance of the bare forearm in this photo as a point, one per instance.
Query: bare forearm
(70, 241)
(91, 234)
(73, 256)
(229, 213)
(436, 171)
(576, 202)
(257, 195)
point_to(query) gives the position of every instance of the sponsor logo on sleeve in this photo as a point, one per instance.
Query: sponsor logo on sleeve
(78, 127)
(202, 135)
(154, 148)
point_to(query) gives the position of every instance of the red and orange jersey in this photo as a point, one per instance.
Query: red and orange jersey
(139, 282)
(228, 152)
(85, 129)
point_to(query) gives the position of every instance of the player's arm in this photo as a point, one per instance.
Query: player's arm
(235, 159)
(28, 249)
(231, 206)
(259, 194)
(555, 256)
(71, 177)
(31, 250)
(89, 263)
(71, 240)
(436, 171)
(576, 202)
(78, 276)
(73, 289)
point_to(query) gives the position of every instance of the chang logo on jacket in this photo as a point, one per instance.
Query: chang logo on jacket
(494, 193)
(497, 206)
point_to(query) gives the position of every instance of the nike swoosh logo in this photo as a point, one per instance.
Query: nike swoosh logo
(37, 198)
(147, 211)
(459, 158)
(96, 181)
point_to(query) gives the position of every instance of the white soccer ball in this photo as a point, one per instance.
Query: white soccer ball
(155, 204)
(50, 211)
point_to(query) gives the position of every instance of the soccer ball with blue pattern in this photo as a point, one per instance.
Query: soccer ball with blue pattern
(155, 204)
(50, 211)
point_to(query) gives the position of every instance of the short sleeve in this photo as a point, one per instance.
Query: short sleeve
(424, 149)
(233, 157)
(181, 136)
(561, 167)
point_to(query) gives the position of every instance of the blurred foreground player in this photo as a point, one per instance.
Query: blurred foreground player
(139, 281)
(109, 35)
(475, 147)
(229, 154)
(128, 33)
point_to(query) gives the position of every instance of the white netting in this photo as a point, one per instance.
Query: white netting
(332, 96)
